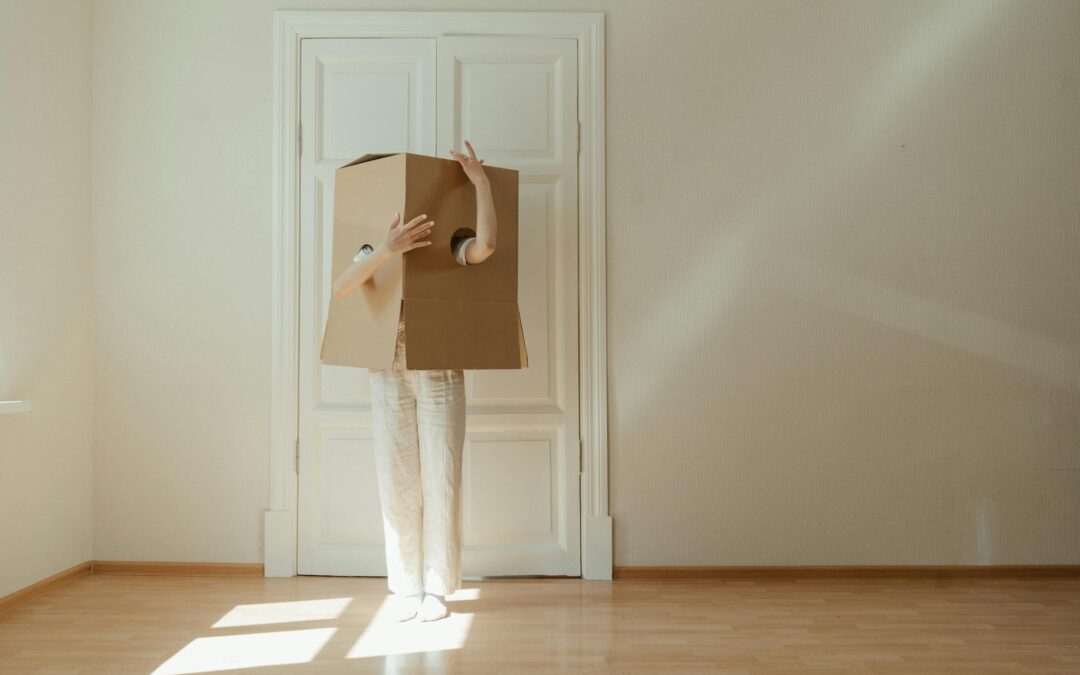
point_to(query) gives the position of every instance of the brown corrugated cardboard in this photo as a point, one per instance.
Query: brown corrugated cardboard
(456, 316)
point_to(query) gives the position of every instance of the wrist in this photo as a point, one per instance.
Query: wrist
(482, 184)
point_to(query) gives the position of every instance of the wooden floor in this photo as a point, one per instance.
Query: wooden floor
(144, 624)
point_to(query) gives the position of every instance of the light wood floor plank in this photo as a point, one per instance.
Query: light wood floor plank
(136, 624)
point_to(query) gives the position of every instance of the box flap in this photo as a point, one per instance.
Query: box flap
(521, 344)
(467, 335)
(361, 328)
(368, 157)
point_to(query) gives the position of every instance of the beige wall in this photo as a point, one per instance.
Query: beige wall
(869, 349)
(45, 302)
(842, 278)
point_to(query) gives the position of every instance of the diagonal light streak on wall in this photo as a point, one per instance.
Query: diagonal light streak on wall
(728, 265)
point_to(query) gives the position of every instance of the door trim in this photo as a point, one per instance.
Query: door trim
(290, 27)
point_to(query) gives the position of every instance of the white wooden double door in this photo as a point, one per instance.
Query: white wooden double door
(515, 99)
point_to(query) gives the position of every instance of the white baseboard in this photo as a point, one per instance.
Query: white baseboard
(279, 550)
(596, 563)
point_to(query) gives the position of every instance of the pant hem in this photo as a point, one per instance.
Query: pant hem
(406, 591)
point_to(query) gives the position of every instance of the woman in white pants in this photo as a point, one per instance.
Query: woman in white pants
(419, 428)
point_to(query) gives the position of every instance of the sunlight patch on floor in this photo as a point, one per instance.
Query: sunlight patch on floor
(228, 652)
(385, 636)
(283, 612)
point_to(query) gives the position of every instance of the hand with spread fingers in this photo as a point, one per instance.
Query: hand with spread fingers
(399, 239)
(472, 166)
(403, 238)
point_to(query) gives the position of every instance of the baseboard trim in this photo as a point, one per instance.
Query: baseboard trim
(845, 572)
(185, 569)
(619, 572)
(45, 585)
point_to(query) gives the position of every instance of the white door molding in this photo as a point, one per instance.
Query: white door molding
(290, 27)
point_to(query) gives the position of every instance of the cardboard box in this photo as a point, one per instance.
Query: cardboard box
(456, 317)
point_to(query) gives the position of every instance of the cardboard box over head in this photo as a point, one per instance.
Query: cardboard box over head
(455, 316)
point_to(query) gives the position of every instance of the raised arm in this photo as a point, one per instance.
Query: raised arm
(483, 246)
(399, 239)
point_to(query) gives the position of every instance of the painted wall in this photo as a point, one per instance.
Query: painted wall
(46, 342)
(868, 351)
(843, 244)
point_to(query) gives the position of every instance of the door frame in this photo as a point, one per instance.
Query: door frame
(290, 27)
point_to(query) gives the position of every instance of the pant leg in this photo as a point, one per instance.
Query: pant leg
(440, 410)
(397, 466)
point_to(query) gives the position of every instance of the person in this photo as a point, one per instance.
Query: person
(418, 419)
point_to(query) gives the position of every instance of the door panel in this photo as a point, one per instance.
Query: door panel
(346, 471)
(515, 100)
(520, 471)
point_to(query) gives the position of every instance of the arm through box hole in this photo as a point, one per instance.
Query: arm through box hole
(364, 250)
(458, 237)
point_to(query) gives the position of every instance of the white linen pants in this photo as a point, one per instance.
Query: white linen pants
(419, 436)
